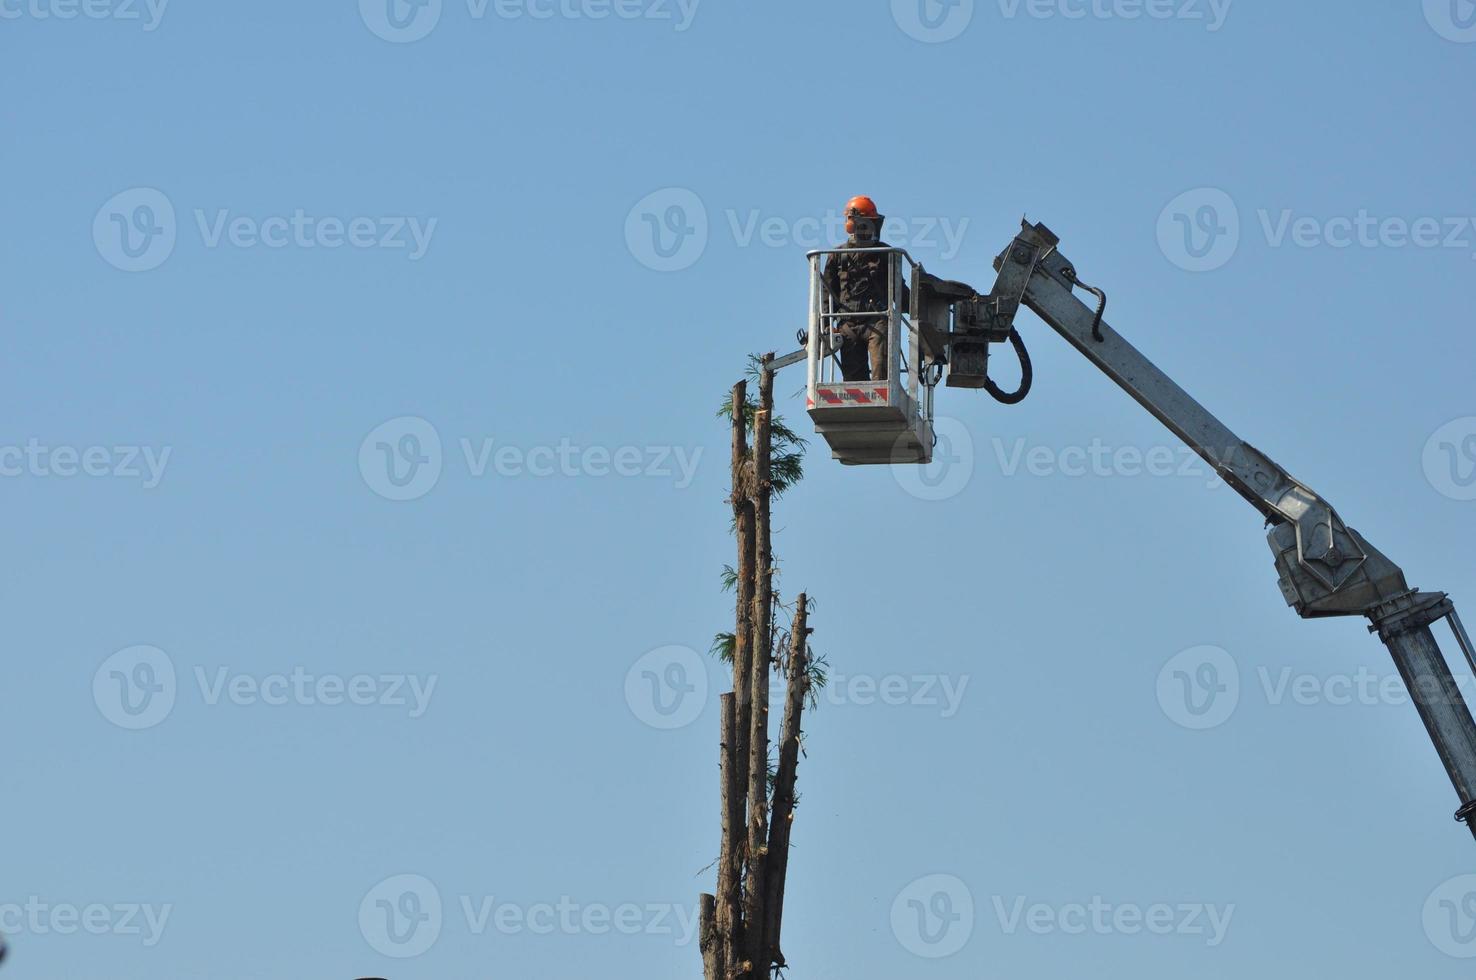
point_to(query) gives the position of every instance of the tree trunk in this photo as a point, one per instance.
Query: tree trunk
(789, 752)
(710, 940)
(740, 924)
(761, 654)
(728, 915)
(743, 519)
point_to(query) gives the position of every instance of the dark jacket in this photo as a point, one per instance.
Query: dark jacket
(858, 283)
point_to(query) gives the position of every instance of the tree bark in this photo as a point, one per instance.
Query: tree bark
(789, 752)
(710, 939)
(761, 655)
(743, 519)
(728, 915)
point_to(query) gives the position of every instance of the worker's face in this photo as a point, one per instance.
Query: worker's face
(864, 230)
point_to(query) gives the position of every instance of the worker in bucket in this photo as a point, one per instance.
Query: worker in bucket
(858, 284)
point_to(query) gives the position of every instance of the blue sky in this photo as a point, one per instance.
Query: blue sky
(278, 708)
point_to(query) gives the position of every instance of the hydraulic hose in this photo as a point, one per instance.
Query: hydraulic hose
(1026, 375)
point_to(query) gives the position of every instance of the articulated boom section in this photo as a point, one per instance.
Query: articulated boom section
(1325, 567)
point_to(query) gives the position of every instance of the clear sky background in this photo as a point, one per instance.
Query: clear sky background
(183, 636)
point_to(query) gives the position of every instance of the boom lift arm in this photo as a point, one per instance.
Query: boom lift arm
(1325, 567)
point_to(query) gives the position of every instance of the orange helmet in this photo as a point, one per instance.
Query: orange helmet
(860, 206)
